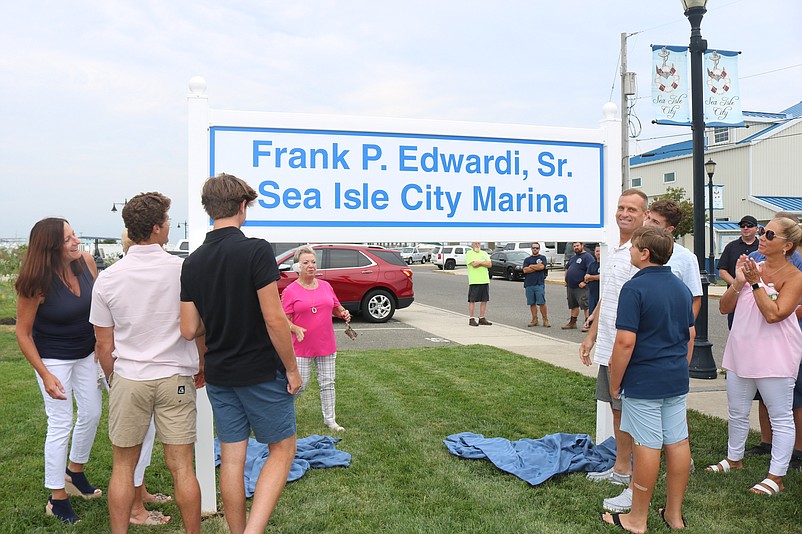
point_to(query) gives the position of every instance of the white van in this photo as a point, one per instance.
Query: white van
(547, 248)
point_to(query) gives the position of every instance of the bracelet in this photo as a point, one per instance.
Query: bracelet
(736, 291)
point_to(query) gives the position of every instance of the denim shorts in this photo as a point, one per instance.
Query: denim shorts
(655, 422)
(535, 295)
(266, 408)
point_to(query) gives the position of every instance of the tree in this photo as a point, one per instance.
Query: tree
(677, 194)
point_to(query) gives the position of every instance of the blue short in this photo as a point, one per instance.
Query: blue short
(535, 295)
(266, 408)
(655, 422)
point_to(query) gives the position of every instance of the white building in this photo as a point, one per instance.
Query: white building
(759, 165)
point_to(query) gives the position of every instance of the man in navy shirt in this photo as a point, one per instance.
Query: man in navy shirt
(535, 272)
(649, 370)
(575, 286)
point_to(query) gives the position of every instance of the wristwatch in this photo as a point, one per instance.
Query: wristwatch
(755, 286)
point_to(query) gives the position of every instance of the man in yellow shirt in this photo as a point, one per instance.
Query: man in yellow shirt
(478, 283)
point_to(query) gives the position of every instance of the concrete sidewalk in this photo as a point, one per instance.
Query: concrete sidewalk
(706, 396)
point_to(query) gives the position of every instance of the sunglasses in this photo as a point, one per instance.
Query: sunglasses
(770, 235)
(747, 225)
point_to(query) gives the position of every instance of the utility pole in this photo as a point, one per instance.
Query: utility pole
(627, 90)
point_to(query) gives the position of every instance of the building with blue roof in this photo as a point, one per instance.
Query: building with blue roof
(759, 166)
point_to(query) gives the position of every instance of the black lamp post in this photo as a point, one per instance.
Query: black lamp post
(710, 169)
(702, 363)
(185, 228)
(115, 204)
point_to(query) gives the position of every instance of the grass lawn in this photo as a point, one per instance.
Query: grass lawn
(398, 406)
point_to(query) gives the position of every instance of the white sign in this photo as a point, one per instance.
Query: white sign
(410, 186)
(718, 197)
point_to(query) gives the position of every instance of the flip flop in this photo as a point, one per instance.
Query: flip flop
(766, 486)
(158, 498)
(723, 466)
(154, 518)
(616, 520)
(662, 512)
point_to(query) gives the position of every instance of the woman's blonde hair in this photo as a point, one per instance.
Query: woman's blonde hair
(791, 230)
(300, 251)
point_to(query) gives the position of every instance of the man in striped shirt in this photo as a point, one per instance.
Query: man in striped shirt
(617, 269)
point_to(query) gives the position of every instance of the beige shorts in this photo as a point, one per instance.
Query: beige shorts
(170, 401)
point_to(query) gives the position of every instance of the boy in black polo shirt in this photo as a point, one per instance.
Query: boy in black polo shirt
(229, 293)
(649, 369)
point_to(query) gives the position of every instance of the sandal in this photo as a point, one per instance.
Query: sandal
(157, 498)
(62, 510)
(723, 466)
(154, 518)
(78, 486)
(766, 486)
(662, 512)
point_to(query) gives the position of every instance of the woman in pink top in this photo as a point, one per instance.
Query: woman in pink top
(764, 348)
(310, 305)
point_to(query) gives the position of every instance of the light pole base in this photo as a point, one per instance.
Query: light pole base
(702, 363)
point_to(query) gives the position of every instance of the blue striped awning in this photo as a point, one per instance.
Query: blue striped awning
(784, 203)
(726, 226)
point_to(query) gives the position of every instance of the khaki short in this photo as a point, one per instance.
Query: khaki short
(170, 401)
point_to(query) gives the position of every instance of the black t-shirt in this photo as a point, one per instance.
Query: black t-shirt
(221, 278)
(731, 253)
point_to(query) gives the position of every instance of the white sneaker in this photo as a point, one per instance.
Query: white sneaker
(610, 476)
(620, 504)
(334, 426)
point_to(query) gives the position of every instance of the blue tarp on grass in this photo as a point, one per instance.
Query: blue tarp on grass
(536, 460)
(312, 451)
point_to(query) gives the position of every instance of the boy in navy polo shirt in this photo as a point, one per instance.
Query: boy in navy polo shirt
(649, 369)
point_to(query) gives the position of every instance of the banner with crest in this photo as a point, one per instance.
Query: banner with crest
(671, 88)
(722, 91)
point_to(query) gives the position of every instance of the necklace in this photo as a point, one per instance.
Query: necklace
(777, 270)
(311, 287)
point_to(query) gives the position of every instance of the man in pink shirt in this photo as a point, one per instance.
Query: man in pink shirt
(150, 367)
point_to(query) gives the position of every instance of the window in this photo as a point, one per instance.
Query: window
(669, 178)
(343, 258)
(721, 135)
(636, 182)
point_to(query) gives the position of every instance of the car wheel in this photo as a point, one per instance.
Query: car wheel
(511, 274)
(450, 265)
(440, 267)
(378, 306)
(409, 260)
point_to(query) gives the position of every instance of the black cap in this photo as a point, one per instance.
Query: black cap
(748, 219)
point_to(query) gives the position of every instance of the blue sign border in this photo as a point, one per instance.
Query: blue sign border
(213, 130)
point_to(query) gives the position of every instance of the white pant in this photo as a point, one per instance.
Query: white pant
(778, 396)
(325, 379)
(145, 454)
(79, 378)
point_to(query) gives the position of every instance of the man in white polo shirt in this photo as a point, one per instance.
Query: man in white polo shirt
(617, 270)
(150, 367)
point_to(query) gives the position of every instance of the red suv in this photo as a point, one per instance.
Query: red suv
(373, 281)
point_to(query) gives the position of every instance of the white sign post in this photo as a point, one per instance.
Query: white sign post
(324, 178)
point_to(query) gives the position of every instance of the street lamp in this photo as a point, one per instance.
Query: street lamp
(115, 204)
(702, 364)
(185, 228)
(710, 169)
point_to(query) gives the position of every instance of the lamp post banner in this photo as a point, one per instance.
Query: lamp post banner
(722, 95)
(392, 179)
(671, 85)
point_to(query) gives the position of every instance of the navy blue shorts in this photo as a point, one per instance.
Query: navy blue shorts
(266, 408)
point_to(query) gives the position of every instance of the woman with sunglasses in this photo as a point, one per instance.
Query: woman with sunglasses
(764, 348)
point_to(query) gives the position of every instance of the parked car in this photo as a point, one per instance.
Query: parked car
(412, 255)
(450, 257)
(368, 280)
(547, 249)
(508, 264)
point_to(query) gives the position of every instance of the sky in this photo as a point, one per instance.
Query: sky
(93, 92)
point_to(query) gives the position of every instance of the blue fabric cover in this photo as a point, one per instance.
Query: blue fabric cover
(312, 451)
(536, 460)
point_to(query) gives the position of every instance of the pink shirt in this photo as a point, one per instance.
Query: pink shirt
(298, 303)
(757, 349)
(139, 297)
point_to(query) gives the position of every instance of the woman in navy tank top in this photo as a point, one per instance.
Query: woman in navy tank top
(54, 290)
